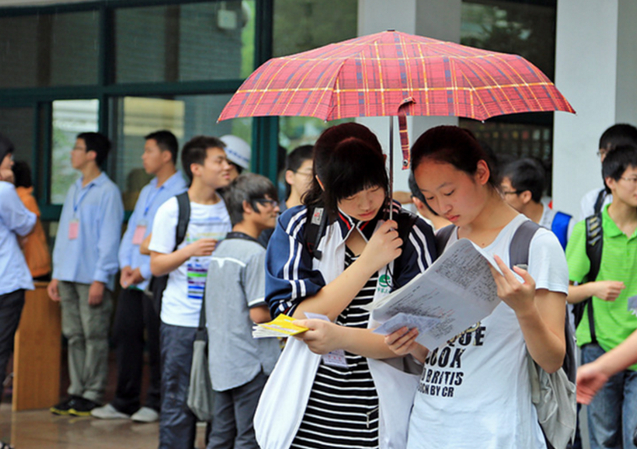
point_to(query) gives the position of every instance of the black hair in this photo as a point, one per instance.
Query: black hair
(294, 160)
(526, 174)
(166, 141)
(618, 161)
(618, 135)
(98, 143)
(6, 147)
(347, 159)
(22, 174)
(452, 145)
(300, 154)
(247, 187)
(195, 151)
(417, 193)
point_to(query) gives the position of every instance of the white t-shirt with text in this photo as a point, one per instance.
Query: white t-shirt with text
(181, 302)
(474, 391)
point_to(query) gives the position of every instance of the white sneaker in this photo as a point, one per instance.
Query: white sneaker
(108, 412)
(145, 414)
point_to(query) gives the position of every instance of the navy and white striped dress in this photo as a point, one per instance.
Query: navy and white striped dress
(342, 410)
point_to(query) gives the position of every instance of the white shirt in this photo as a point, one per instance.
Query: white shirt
(587, 205)
(474, 391)
(181, 302)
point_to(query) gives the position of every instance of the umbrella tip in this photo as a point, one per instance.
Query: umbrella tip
(391, 30)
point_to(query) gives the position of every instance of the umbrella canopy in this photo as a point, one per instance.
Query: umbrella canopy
(393, 73)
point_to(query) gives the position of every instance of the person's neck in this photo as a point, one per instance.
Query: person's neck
(293, 200)
(165, 173)
(534, 211)
(202, 194)
(624, 216)
(494, 216)
(89, 173)
(248, 228)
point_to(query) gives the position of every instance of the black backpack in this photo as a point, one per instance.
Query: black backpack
(317, 221)
(157, 284)
(594, 246)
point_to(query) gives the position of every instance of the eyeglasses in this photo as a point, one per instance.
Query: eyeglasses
(266, 201)
(512, 192)
(632, 180)
(602, 153)
(306, 174)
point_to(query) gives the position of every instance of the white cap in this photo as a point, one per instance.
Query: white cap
(237, 150)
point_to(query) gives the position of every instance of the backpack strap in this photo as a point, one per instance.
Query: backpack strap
(157, 284)
(314, 229)
(560, 227)
(520, 244)
(442, 237)
(405, 221)
(183, 205)
(594, 245)
(599, 201)
(519, 256)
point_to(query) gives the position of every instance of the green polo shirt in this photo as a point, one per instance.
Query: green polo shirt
(613, 321)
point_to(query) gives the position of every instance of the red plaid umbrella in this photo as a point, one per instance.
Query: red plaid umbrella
(393, 73)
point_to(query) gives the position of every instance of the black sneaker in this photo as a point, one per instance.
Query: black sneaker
(64, 407)
(82, 407)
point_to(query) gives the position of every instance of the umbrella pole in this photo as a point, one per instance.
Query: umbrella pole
(391, 166)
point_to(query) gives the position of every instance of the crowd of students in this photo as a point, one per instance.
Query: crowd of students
(334, 250)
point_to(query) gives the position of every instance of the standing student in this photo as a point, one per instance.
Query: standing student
(612, 414)
(135, 311)
(479, 396)
(620, 134)
(15, 221)
(204, 162)
(298, 176)
(235, 290)
(84, 268)
(298, 180)
(522, 186)
(335, 270)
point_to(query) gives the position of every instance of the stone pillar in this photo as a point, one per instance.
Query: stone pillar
(596, 62)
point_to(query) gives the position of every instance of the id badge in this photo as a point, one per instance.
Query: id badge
(74, 229)
(140, 232)
(335, 358)
(196, 274)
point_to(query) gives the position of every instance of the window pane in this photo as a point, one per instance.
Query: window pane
(200, 41)
(185, 116)
(305, 25)
(512, 27)
(17, 125)
(49, 50)
(70, 117)
(520, 28)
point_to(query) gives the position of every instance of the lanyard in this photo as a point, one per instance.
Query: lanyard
(150, 198)
(76, 203)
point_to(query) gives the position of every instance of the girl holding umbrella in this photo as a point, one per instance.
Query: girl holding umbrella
(338, 383)
(482, 397)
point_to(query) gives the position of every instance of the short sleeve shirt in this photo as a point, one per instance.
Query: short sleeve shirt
(613, 321)
(181, 302)
(235, 284)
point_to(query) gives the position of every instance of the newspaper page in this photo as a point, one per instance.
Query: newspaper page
(457, 291)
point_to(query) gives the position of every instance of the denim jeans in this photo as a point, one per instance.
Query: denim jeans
(612, 415)
(176, 421)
